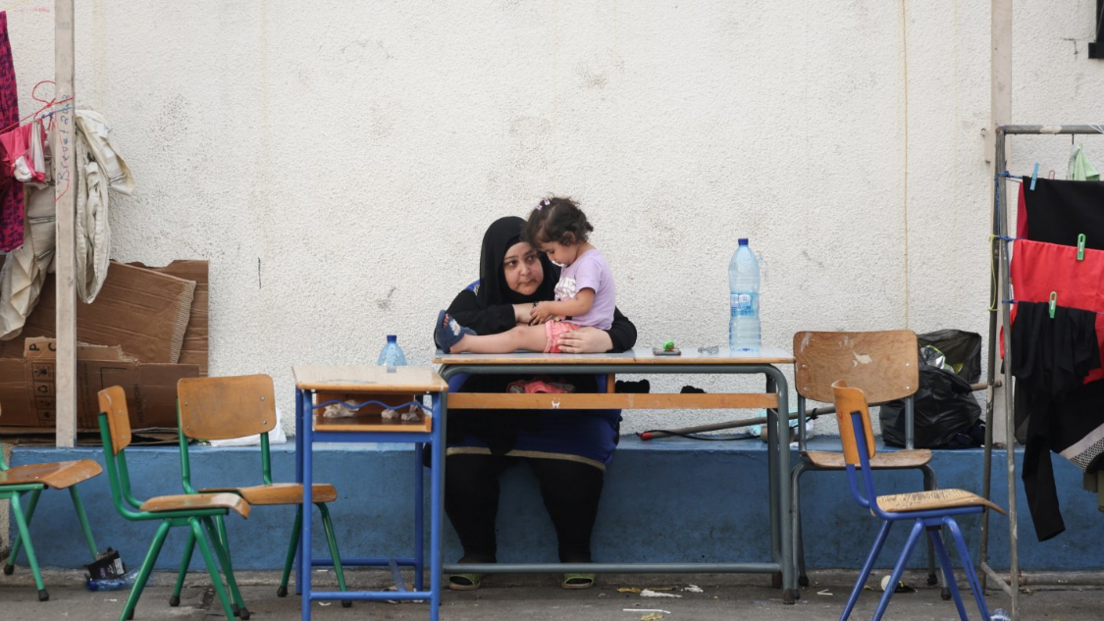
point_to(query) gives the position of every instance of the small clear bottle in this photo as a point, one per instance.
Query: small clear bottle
(744, 331)
(391, 355)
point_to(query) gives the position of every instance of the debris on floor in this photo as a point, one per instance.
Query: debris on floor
(652, 593)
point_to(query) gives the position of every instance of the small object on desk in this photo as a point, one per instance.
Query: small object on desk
(414, 413)
(388, 414)
(338, 410)
(668, 349)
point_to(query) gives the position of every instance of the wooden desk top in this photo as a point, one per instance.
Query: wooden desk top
(369, 379)
(639, 356)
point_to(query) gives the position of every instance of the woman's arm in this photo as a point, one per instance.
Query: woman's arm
(466, 311)
(622, 333)
(620, 336)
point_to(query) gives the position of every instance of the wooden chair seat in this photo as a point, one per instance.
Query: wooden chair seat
(58, 475)
(192, 502)
(279, 493)
(908, 458)
(931, 500)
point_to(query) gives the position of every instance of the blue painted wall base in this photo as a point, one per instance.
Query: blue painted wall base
(664, 500)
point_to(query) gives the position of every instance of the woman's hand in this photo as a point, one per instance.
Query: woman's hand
(541, 313)
(585, 341)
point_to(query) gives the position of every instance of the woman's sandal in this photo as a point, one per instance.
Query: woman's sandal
(465, 582)
(448, 332)
(577, 581)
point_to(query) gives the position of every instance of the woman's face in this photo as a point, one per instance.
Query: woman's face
(522, 268)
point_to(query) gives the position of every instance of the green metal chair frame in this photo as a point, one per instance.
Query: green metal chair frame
(195, 512)
(33, 478)
(221, 408)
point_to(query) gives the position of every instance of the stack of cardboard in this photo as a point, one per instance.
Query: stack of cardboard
(146, 330)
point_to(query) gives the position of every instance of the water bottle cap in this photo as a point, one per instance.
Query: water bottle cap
(743, 241)
(391, 338)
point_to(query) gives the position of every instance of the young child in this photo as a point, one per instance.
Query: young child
(585, 293)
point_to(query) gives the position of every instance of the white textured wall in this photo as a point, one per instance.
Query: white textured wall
(337, 162)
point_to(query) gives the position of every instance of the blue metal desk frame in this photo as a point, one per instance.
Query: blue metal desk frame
(306, 436)
(644, 364)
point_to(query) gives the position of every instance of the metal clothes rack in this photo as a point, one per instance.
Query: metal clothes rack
(1000, 291)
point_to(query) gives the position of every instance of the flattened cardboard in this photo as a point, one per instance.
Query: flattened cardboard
(141, 310)
(27, 388)
(194, 349)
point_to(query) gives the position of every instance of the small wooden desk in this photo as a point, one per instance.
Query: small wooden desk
(370, 387)
(775, 399)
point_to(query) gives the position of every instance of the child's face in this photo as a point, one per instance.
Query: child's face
(559, 253)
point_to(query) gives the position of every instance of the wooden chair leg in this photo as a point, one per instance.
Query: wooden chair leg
(864, 573)
(185, 562)
(147, 567)
(935, 535)
(212, 569)
(899, 568)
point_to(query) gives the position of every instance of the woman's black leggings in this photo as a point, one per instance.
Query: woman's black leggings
(570, 490)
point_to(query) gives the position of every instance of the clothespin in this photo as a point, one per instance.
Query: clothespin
(1081, 247)
(1053, 303)
(1034, 175)
(1050, 175)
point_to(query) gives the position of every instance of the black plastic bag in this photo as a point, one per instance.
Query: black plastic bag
(946, 412)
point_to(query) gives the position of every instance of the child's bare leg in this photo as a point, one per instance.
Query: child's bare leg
(532, 338)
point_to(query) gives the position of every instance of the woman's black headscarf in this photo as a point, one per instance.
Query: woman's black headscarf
(502, 234)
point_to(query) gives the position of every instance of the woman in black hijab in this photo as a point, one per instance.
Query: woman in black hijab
(567, 451)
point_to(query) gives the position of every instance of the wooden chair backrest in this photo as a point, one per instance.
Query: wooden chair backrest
(885, 365)
(221, 408)
(113, 403)
(849, 400)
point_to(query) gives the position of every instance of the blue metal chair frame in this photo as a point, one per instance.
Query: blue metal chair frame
(930, 521)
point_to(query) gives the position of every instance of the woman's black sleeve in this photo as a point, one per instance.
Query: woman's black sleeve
(622, 332)
(491, 320)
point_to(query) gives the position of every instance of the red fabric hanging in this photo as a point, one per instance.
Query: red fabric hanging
(11, 191)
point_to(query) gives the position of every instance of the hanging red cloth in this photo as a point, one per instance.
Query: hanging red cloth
(11, 191)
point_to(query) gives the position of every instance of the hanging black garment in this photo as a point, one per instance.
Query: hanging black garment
(1057, 211)
(1055, 411)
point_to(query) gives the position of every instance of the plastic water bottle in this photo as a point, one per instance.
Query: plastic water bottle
(391, 355)
(743, 285)
(124, 581)
(1000, 614)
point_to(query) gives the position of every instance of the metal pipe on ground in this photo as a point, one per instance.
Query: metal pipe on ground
(761, 420)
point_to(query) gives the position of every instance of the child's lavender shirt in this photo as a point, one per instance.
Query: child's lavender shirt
(590, 271)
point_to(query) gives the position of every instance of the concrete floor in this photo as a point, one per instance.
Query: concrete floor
(537, 598)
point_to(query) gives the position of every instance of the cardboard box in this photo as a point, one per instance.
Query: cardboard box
(143, 311)
(27, 387)
(194, 348)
